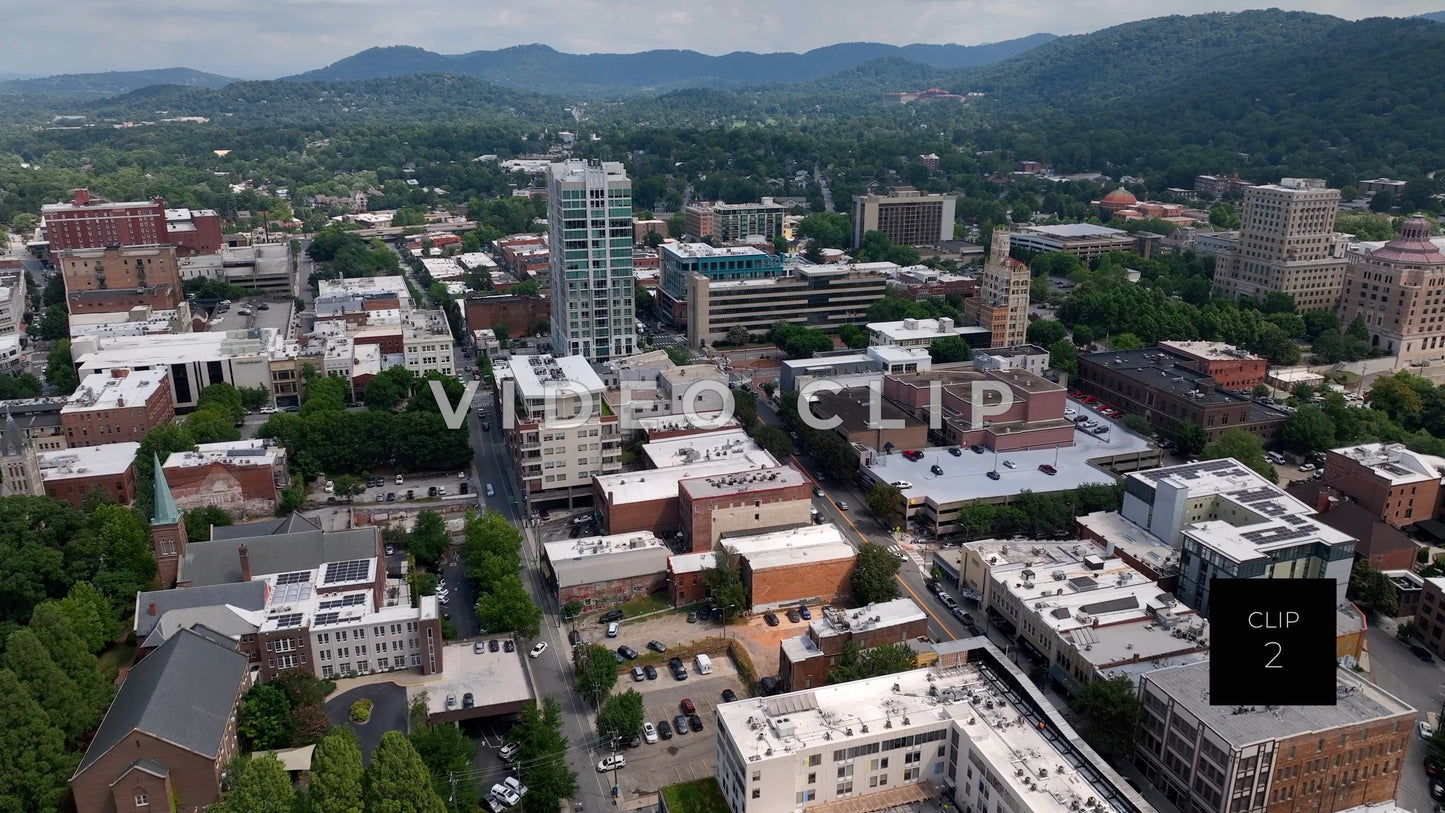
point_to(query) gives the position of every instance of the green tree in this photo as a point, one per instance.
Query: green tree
(1397, 396)
(975, 519)
(724, 582)
(253, 398)
(774, 440)
(262, 787)
(1046, 332)
(1190, 438)
(858, 664)
(1308, 430)
(596, 672)
(337, 783)
(1260, 391)
(950, 349)
(1064, 355)
(199, 521)
(1125, 341)
(60, 368)
(223, 397)
(69, 652)
(55, 324)
(1137, 423)
(737, 334)
(429, 539)
(507, 606)
(1244, 446)
(542, 763)
(1109, 713)
(262, 722)
(25, 385)
(1372, 590)
(37, 764)
(853, 336)
(383, 392)
(886, 503)
(874, 571)
(91, 615)
(160, 442)
(397, 781)
(211, 426)
(620, 717)
(445, 751)
(827, 229)
(63, 700)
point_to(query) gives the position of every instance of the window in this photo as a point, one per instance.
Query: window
(141, 799)
(815, 760)
(757, 793)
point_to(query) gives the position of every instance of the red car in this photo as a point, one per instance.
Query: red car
(1049, 470)
(687, 706)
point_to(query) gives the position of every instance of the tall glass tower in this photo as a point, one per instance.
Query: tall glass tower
(589, 220)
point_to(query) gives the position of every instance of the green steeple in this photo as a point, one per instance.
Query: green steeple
(166, 512)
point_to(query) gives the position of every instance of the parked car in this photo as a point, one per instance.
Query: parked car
(955, 451)
(627, 652)
(1010, 464)
(650, 671)
(979, 450)
(1422, 653)
(729, 696)
(1047, 469)
(1424, 729)
(611, 763)
(679, 724)
(509, 751)
(493, 645)
(692, 616)
(611, 616)
(657, 646)
(649, 733)
(904, 484)
(937, 470)
(770, 685)
(664, 729)
(687, 706)
(694, 722)
(480, 647)
(574, 638)
(806, 613)
(993, 475)
(638, 675)
(452, 702)
(794, 617)
(509, 645)
(612, 630)
(770, 619)
(468, 701)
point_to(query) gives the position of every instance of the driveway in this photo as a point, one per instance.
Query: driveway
(388, 713)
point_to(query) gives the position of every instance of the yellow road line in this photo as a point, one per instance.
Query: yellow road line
(922, 604)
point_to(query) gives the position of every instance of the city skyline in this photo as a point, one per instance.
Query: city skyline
(265, 40)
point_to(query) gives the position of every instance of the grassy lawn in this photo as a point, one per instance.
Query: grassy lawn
(642, 605)
(702, 796)
(113, 659)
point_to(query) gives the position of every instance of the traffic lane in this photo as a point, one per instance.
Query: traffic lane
(1396, 670)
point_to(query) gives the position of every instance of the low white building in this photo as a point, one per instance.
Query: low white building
(921, 332)
(240, 358)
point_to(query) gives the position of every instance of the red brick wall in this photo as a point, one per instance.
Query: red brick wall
(390, 343)
(614, 591)
(123, 270)
(773, 586)
(1397, 505)
(1235, 374)
(658, 516)
(1359, 765)
(244, 490)
(83, 227)
(196, 779)
(206, 239)
(74, 490)
(516, 313)
(160, 298)
(697, 515)
(97, 427)
(686, 588)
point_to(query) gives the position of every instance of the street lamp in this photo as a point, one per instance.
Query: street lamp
(725, 619)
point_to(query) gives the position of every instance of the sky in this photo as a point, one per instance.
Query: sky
(263, 39)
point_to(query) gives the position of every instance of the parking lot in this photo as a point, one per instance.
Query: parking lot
(418, 486)
(685, 757)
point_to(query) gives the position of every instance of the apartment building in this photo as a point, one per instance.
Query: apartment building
(817, 296)
(1168, 390)
(1287, 243)
(115, 406)
(1430, 612)
(1392, 483)
(652, 500)
(1002, 304)
(680, 260)
(975, 732)
(589, 215)
(1030, 358)
(804, 660)
(12, 316)
(117, 278)
(725, 222)
(1271, 759)
(1395, 288)
(559, 429)
(241, 358)
(72, 475)
(89, 221)
(1229, 522)
(907, 216)
(739, 503)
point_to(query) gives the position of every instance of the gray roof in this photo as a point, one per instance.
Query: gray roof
(620, 565)
(246, 595)
(221, 620)
(183, 693)
(270, 527)
(219, 561)
(148, 765)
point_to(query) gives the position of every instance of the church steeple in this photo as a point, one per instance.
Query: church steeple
(19, 461)
(168, 531)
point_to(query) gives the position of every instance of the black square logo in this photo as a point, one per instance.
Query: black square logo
(1272, 642)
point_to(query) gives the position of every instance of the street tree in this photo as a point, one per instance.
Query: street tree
(397, 781)
(223, 397)
(446, 752)
(724, 582)
(874, 571)
(1045, 332)
(1064, 355)
(1190, 438)
(1372, 590)
(620, 717)
(737, 334)
(774, 440)
(975, 519)
(596, 672)
(949, 349)
(506, 605)
(263, 787)
(542, 759)
(886, 503)
(60, 368)
(337, 783)
(1109, 713)
(886, 659)
(1244, 446)
(429, 539)
(1308, 430)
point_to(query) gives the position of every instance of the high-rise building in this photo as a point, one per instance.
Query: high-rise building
(1002, 304)
(1392, 287)
(589, 215)
(1287, 243)
(733, 221)
(89, 221)
(680, 260)
(908, 217)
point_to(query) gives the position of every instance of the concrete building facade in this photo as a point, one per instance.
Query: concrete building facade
(907, 216)
(1002, 303)
(819, 296)
(589, 215)
(1393, 288)
(1287, 243)
(681, 260)
(725, 222)
(748, 502)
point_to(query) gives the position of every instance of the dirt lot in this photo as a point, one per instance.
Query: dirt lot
(672, 629)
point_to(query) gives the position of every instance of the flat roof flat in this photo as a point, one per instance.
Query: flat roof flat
(106, 390)
(536, 375)
(1075, 230)
(806, 555)
(834, 621)
(661, 484)
(604, 558)
(700, 447)
(493, 679)
(1356, 701)
(743, 482)
(256, 452)
(88, 461)
(1394, 463)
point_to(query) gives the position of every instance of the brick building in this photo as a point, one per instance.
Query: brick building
(1430, 617)
(1396, 485)
(170, 732)
(93, 222)
(973, 410)
(851, 407)
(806, 565)
(604, 570)
(71, 475)
(1378, 543)
(804, 661)
(748, 502)
(118, 278)
(1277, 759)
(194, 231)
(649, 500)
(517, 313)
(1168, 392)
(243, 477)
(1230, 367)
(116, 406)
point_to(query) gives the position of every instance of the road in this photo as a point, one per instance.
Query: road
(1398, 672)
(827, 193)
(551, 673)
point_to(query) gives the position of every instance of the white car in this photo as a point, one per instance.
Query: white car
(1011, 464)
(538, 649)
(509, 751)
(505, 795)
(611, 763)
(451, 701)
(330, 487)
(1426, 732)
(1307, 467)
(1070, 411)
(268, 410)
(902, 484)
(400, 480)
(516, 786)
(649, 733)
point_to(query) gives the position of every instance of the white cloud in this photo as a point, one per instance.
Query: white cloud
(267, 38)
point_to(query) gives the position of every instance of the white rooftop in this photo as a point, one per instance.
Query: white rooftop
(661, 484)
(106, 390)
(443, 268)
(697, 250)
(833, 717)
(1395, 463)
(1075, 230)
(835, 621)
(474, 259)
(805, 555)
(364, 286)
(1215, 351)
(743, 482)
(162, 350)
(702, 447)
(88, 461)
(536, 375)
(234, 453)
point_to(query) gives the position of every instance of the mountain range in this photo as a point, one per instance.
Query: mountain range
(541, 69)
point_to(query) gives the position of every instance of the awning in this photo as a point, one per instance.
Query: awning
(873, 802)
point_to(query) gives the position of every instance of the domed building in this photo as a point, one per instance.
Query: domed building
(1397, 288)
(1116, 201)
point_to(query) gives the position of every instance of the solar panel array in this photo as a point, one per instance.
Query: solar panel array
(352, 600)
(325, 618)
(294, 578)
(352, 571)
(1269, 536)
(288, 620)
(1192, 471)
(292, 592)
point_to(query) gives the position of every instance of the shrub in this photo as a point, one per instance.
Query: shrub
(361, 711)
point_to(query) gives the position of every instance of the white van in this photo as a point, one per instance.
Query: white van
(704, 665)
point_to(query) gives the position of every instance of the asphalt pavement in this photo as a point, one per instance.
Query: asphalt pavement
(1422, 685)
